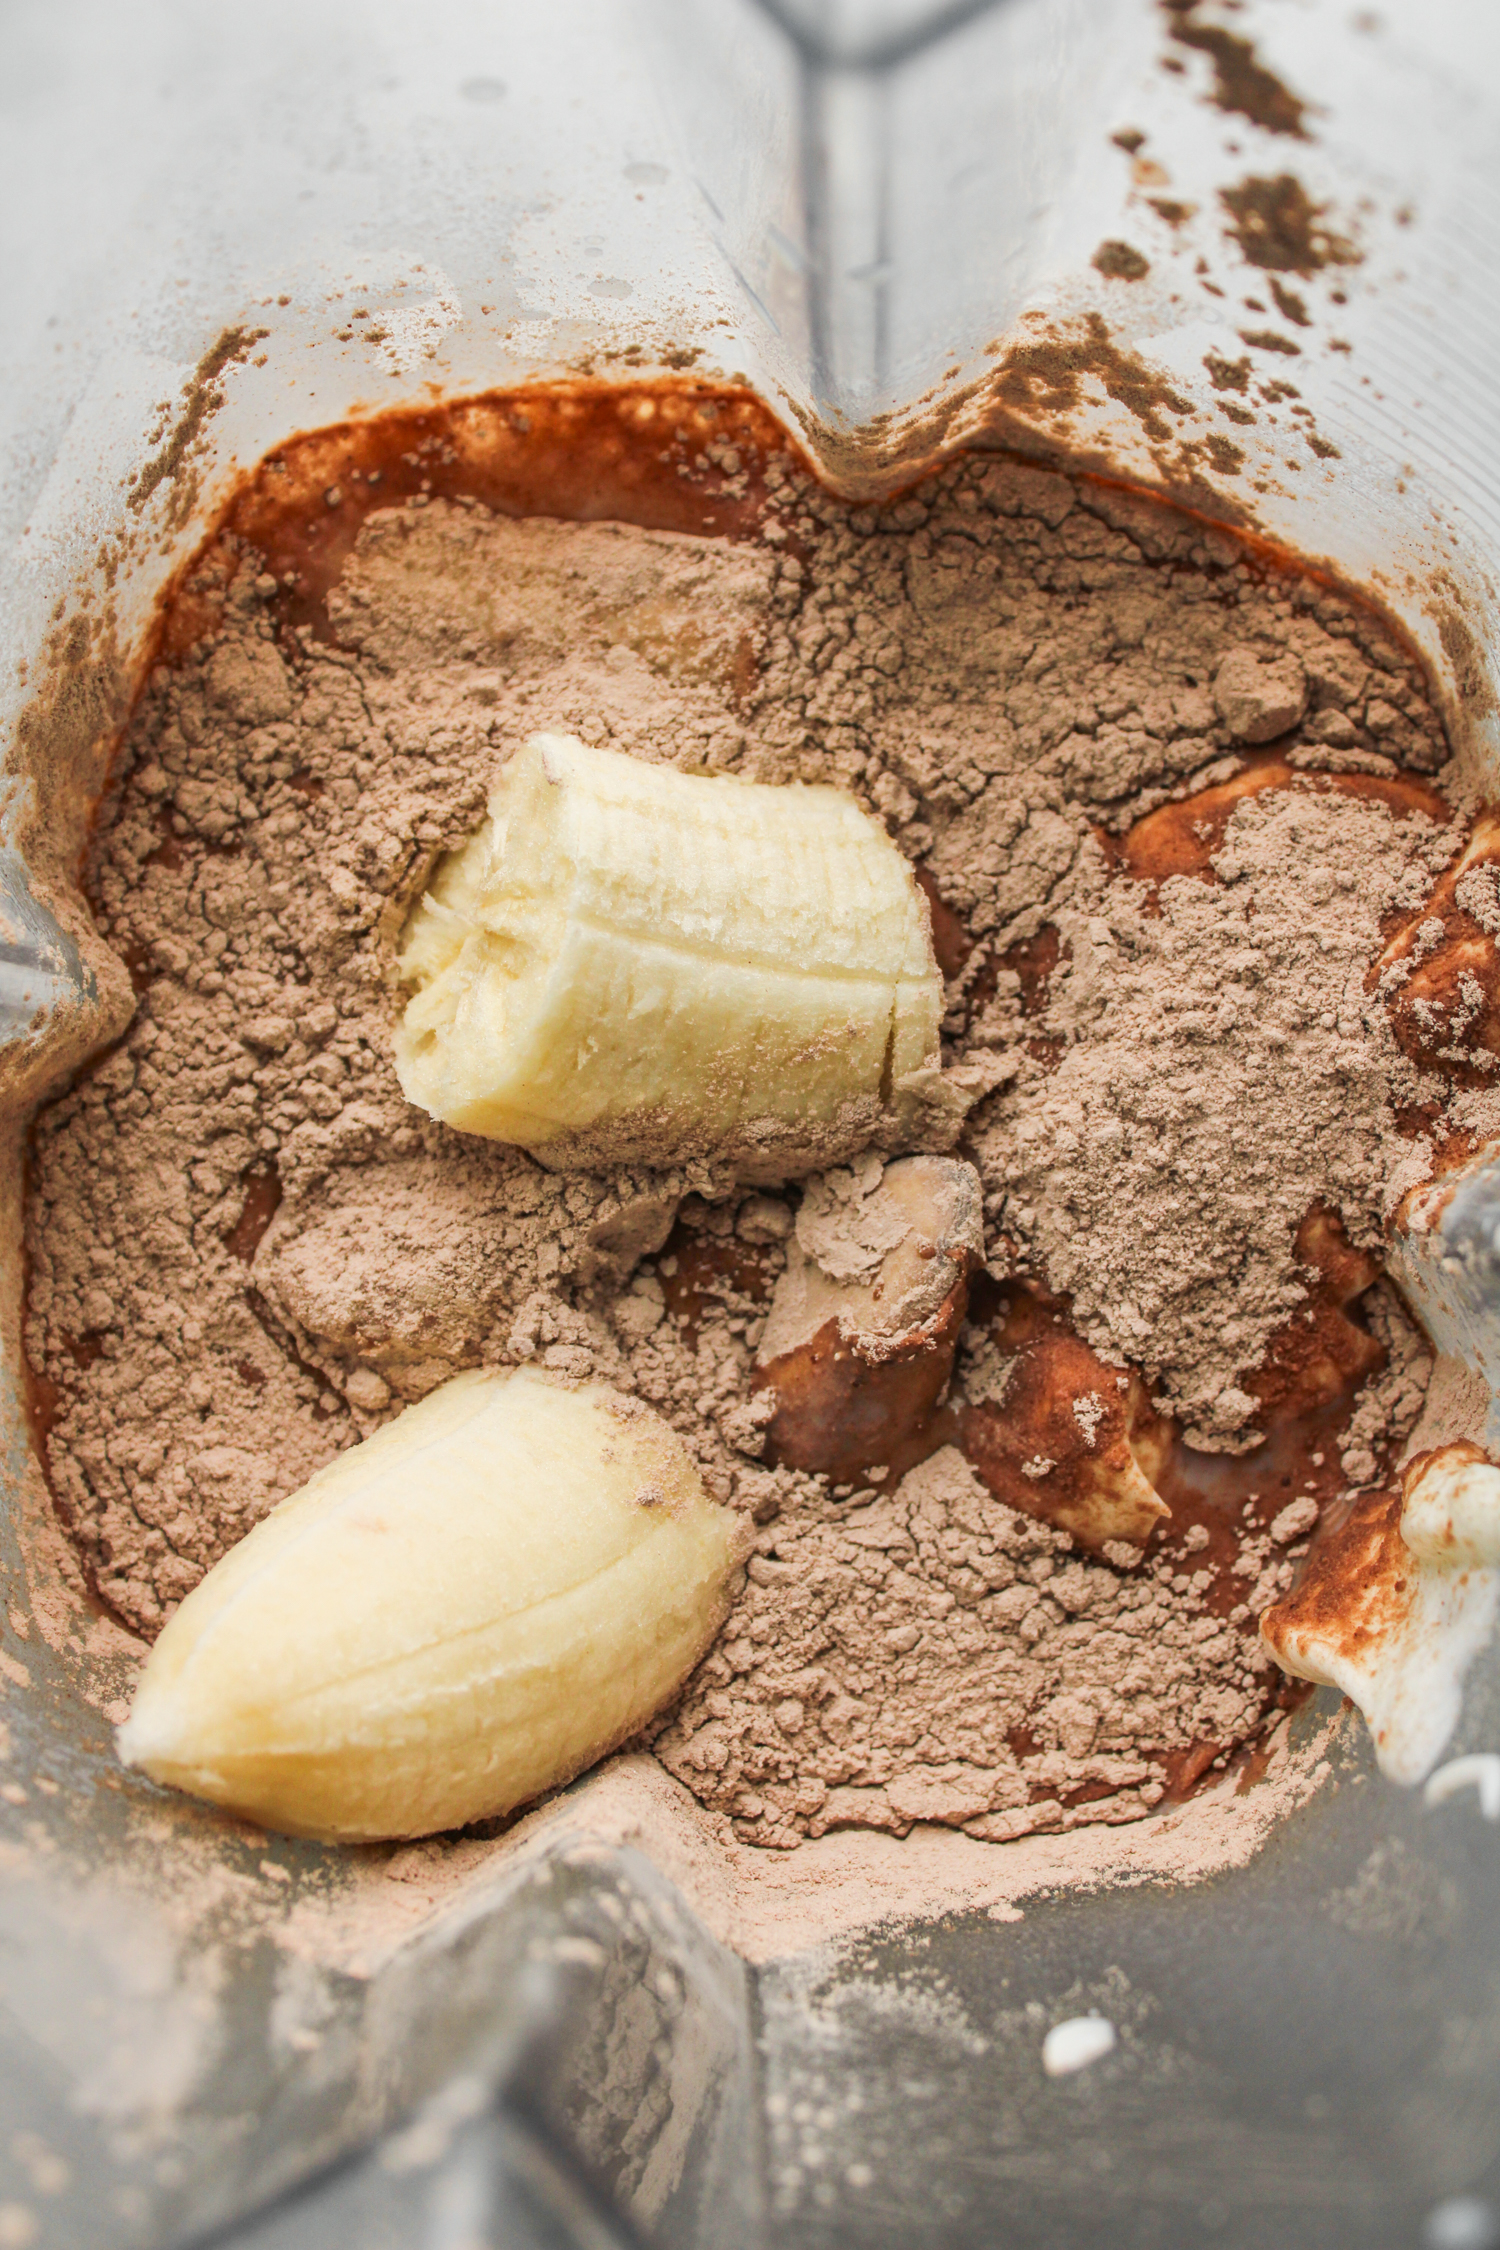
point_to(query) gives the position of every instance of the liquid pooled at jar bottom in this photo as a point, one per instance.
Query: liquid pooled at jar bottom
(249, 1251)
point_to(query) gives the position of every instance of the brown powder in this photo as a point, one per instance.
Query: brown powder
(1219, 1070)
(247, 1250)
(936, 1656)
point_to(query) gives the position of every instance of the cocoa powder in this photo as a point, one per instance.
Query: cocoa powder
(247, 1250)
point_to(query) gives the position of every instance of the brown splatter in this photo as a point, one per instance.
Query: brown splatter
(1267, 340)
(201, 396)
(1280, 229)
(1227, 374)
(1290, 306)
(1048, 374)
(1118, 261)
(1175, 214)
(1242, 84)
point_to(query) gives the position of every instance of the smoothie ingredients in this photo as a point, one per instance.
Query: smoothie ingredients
(458, 1614)
(248, 1249)
(631, 965)
(934, 1655)
(1216, 1070)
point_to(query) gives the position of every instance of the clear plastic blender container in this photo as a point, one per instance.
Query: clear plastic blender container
(1044, 225)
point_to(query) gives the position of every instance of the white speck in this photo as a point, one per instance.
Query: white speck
(1461, 2222)
(1088, 1413)
(1075, 2044)
(1481, 1772)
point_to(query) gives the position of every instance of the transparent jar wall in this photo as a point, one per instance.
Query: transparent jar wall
(510, 195)
(941, 274)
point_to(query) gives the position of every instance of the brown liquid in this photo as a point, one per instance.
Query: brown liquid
(262, 1201)
(1231, 1496)
(1182, 838)
(951, 942)
(654, 457)
(697, 1270)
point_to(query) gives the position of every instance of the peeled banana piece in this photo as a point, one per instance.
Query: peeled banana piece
(630, 964)
(480, 1600)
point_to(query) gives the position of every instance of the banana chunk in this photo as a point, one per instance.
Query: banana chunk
(630, 964)
(470, 1607)
(1396, 1602)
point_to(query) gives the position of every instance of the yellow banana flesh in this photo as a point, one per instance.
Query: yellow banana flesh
(630, 964)
(462, 1612)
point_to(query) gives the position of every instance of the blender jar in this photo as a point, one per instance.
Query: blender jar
(1045, 226)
